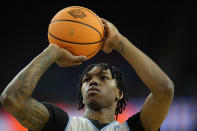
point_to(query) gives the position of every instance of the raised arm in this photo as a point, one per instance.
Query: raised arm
(156, 106)
(16, 98)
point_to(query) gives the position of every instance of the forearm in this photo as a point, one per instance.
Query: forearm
(149, 72)
(23, 85)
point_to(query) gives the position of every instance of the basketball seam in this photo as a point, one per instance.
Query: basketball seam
(97, 17)
(77, 43)
(85, 25)
(94, 51)
(73, 42)
(80, 23)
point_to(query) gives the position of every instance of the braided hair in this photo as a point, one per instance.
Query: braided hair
(120, 81)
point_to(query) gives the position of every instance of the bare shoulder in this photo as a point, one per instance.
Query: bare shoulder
(33, 115)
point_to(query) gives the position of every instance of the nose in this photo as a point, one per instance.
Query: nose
(93, 82)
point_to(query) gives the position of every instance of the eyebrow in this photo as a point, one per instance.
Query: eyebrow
(100, 73)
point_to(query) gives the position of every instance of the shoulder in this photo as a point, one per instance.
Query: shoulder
(58, 118)
(135, 123)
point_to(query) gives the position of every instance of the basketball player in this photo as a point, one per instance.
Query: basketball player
(102, 91)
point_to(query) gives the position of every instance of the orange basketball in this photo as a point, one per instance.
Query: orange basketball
(77, 29)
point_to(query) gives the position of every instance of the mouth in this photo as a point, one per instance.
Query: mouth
(92, 90)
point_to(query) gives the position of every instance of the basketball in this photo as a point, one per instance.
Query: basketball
(77, 29)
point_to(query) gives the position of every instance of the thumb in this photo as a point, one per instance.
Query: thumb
(80, 58)
(73, 57)
(106, 47)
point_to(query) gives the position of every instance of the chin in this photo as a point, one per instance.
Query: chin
(94, 104)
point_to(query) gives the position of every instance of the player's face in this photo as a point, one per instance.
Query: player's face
(98, 88)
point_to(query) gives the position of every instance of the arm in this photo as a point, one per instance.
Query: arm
(157, 104)
(16, 98)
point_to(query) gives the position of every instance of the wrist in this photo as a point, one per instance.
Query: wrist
(120, 44)
(53, 51)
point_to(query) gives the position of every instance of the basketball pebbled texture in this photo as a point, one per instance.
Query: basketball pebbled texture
(78, 30)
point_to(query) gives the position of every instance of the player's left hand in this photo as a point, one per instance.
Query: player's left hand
(111, 37)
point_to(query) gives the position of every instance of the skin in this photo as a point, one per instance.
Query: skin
(157, 104)
(100, 105)
(17, 100)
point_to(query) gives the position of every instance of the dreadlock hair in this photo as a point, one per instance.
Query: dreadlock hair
(120, 81)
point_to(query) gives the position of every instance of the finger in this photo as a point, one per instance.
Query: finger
(80, 58)
(67, 52)
(104, 24)
(68, 64)
(76, 63)
(104, 21)
(60, 64)
(73, 64)
(105, 32)
(107, 23)
(75, 58)
(102, 46)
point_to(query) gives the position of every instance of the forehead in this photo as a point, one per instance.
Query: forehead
(98, 70)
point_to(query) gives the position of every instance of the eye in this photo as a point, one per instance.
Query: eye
(104, 78)
(86, 79)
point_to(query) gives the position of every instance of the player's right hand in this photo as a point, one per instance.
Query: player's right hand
(65, 59)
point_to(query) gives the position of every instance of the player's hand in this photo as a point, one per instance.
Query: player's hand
(65, 59)
(111, 38)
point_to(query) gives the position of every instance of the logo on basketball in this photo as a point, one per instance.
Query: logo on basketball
(77, 29)
(77, 13)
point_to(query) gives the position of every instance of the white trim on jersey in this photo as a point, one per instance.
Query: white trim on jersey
(84, 124)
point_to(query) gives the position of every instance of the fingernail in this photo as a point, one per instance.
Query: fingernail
(85, 58)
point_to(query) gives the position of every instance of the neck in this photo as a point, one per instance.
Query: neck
(104, 115)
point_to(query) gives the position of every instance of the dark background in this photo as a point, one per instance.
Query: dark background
(164, 31)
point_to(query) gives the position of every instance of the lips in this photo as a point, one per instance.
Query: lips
(92, 90)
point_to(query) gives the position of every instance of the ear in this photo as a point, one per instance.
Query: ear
(119, 96)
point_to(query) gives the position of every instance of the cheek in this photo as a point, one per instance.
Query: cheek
(83, 89)
(111, 90)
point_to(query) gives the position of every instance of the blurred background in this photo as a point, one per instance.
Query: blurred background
(164, 31)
